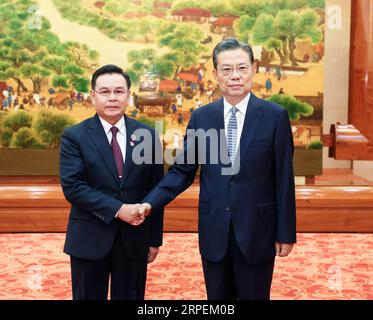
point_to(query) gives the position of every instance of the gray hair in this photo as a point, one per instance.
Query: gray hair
(231, 44)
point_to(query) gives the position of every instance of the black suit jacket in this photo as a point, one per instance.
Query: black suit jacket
(259, 199)
(91, 184)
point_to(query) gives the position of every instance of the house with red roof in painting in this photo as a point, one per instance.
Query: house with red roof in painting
(192, 14)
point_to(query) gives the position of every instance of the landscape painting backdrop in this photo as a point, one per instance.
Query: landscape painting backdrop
(50, 48)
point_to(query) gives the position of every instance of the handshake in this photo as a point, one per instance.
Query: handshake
(134, 214)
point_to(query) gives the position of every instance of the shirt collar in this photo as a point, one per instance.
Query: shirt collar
(241, 106)
(107, 126)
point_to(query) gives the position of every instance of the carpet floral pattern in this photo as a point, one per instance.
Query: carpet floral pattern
(321, 266)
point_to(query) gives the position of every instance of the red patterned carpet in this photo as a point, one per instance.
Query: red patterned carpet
(321, 266)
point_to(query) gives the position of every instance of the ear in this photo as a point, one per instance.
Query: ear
(92, 94)
(214, 72)
(255, 67)
(129, 93)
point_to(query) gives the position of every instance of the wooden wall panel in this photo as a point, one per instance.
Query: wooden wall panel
(361, 67)
(43, 208)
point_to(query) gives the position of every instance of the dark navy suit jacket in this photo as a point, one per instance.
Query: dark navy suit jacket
(90, 182)
(259, 200)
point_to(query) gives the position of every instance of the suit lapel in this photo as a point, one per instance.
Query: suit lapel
(98, 136)
(217, 122)
(131, 127)
(217, 115)
(252, 119)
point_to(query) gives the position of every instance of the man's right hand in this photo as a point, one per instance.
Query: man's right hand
(130, 213)
(145, 209)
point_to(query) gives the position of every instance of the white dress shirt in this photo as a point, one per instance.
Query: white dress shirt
(121, 137)
(121, 134)
(240, 115)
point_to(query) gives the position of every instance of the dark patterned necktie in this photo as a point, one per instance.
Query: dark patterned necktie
(117, 153)
(232, 134)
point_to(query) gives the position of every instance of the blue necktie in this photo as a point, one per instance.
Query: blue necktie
(232, 134)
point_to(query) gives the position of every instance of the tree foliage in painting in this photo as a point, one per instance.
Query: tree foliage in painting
(21, 129)
(184, 43)
(295, 107)
(37, 54)
(277, 25)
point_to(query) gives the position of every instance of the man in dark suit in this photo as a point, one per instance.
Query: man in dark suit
(247, 197)
(105, 234)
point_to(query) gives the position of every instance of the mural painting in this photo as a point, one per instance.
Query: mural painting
(50, 48)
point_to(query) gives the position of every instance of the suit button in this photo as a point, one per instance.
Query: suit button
(232, 183)
(228, 209)
(121, 194)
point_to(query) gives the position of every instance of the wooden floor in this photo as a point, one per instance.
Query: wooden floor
(337, 202)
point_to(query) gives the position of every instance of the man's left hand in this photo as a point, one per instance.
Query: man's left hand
(152, 254)
(283, 249)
